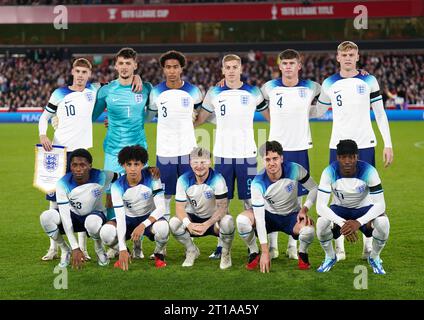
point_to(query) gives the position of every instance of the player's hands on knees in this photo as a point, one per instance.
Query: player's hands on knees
(124, 260)
(78, 258)
(349, 230)
(303, 218)
(154, 171)
(46, 143)
(352, 237)
(138, 232)
(265, 262)
(137, 84)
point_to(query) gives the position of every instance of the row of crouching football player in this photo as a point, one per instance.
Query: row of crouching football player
(202, 208)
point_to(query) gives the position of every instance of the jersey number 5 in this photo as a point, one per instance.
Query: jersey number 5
(339, 100)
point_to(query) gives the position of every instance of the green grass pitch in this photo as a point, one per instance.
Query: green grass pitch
(22, 242)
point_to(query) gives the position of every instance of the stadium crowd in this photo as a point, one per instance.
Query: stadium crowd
(28, 81)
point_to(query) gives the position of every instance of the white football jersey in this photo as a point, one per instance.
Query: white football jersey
(201, 198)
(137, 201)
(74, 110)
(352, 192)
(289, 112)
(350, 100)
(86, 198)
(234, 110)
(175, 130)
(280, 197)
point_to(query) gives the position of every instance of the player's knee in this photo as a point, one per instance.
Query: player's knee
(108, 234)
(307, 233)
(176, 225)
(382, 227)
(161, 229)
(243, 224)
(93, 224)
(226, 224)
(50, 217)
(323, 227)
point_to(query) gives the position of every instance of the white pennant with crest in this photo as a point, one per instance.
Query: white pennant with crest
(50, 166)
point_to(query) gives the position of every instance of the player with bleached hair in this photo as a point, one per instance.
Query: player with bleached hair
(275, 208)
(139, 203)
(202, 208)
(357, 203)
(79, 198)
(234, 104)
(351, 94)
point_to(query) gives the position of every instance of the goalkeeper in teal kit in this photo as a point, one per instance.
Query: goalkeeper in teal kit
(126, 116)
(125, 109)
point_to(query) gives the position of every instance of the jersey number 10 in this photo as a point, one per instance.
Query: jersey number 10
(70, 110)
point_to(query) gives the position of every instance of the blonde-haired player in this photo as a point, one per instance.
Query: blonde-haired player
(351, 94)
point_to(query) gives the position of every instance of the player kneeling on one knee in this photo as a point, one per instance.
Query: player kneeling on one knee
(202, 208)
(79, 198)
(358, 203)
(275, 207)
(139, 204)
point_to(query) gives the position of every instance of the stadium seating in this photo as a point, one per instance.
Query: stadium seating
(28, 81)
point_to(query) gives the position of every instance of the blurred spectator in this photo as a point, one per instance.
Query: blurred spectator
(29, 80)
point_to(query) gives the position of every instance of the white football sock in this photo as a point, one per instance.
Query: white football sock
(247, 233)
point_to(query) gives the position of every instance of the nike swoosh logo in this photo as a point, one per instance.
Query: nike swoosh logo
(113, 100)
(337, 91)
(279, 94)
(66, 102)
(163, 102)
(221, 101)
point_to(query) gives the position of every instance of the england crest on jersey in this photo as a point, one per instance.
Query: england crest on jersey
(244, 100)
(89, 96)
(138, 98)
(185, 102)
(51, 162)
(361, 188)
(360, 88)
(208, 194)
(302, 92)
(290, 187)
(145, 195)
(97, 193)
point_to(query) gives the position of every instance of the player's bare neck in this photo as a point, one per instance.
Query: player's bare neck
(348, 174)
(349, 74)
(290, 82)
(276, 176)
(234, 84)
(174, 84)
(75, 87)
(126, 81)
(133, 182)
